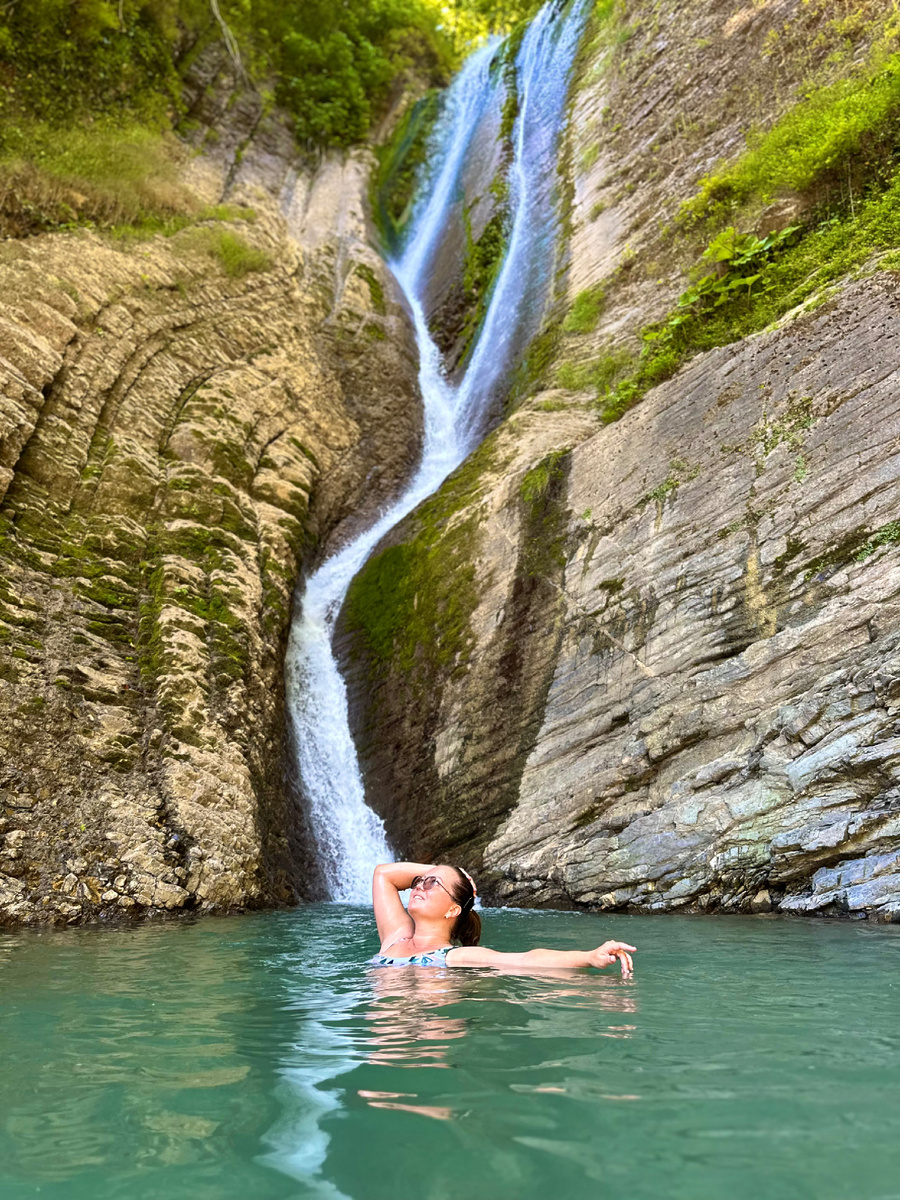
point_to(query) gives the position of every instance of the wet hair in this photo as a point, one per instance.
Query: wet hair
(467, 927)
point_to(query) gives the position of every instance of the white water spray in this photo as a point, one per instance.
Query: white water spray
(350, 838)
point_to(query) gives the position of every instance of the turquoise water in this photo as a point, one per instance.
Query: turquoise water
(257, 1057)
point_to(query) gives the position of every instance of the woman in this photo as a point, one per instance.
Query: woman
(441, 912)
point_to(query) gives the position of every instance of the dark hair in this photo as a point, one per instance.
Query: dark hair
(467, 927)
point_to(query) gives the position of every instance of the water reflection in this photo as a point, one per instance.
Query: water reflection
(407, 1026)
(260, 1057)
(108, 1058)
(417, 1016)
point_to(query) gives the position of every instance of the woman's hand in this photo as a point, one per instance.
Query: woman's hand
(389, 880)
(606, 955)
(603, 956)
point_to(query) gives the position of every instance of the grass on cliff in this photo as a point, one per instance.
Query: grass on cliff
(90, 90)
(234, 255)
(834, 154)
(835, 136)
(106, 173)
(795, 278)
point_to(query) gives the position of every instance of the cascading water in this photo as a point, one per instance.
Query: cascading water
(350, 837)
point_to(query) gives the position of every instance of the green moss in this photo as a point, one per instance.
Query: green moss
(482, 263)
(533, 372)
(814, 140)
(400, 164)
(614, 586)
(585, 312)
(596, 374)
(376, 291)
(545, 517)
(411, 604)
(588, 157)
(8, 672)
(793, 548)
(537, 481)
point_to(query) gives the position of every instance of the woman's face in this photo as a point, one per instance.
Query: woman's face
(436, 903)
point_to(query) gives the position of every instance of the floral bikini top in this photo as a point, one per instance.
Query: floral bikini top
(427, 958)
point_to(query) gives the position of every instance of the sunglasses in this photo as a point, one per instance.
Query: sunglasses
(428, 882)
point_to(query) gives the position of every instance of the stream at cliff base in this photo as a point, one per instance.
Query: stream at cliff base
(258, 1057)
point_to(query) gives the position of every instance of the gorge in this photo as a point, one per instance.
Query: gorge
(639, 648)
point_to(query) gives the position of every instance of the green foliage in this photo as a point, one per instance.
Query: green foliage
(887, 535)
(333, 64)
(814, 139)
(61, 58)
(843, 135)
(411, 604)
(336, 62)
(738, 261)
(793, 272)
(537, 481)
(585, 311)
(90, 88)
(400, 161)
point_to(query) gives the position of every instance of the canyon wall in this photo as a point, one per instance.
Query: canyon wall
(185, 420)
(651, 662)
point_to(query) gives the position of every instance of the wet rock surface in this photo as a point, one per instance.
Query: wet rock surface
(719, 725)
(691, 701)
(175, 444)
(722, 725)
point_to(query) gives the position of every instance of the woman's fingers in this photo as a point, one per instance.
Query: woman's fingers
(618, 950)
(623, 959)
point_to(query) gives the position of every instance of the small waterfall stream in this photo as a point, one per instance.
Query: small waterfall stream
(349, 836)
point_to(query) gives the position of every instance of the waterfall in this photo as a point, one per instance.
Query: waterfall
(350, 838)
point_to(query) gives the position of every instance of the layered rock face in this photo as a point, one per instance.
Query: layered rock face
(185, 420)
(721, 727)
(662, 666)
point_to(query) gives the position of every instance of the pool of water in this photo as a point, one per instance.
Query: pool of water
(258, 1057)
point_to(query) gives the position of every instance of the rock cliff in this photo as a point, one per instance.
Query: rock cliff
(653, 663)
(185, 420)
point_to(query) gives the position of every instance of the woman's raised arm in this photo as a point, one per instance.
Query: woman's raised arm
(389, 880)
(603, 956)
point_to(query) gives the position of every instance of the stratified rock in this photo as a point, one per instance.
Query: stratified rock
(655, 665)
(175, 443)
(709, 708)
